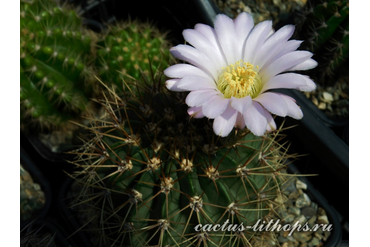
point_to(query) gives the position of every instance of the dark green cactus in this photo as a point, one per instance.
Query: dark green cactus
(129, 50)
(149, 175)
(325, 27)
(56, 74)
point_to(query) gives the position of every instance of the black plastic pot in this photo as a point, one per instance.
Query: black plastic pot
(51, 228)
(51, 187)
(70, 218)
(46, 153)
(326, 154)
(330, 122)
(335, 237)
(38, 178)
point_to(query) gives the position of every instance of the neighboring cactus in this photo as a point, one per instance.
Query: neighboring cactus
(56, 75)
(130, 49)
(150, 175)
(325, 27)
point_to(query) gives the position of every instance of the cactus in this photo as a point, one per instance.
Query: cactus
(149, 175)
(131, 48)
(325, 27)
(56, 76)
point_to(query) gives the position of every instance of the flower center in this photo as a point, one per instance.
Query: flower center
(239, 80)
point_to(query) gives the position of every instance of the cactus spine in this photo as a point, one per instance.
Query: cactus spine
(149, 175)
(56, 74)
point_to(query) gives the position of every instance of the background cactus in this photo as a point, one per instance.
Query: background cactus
(130, 49)
(55, 54)
(325, 27)
(149, 175)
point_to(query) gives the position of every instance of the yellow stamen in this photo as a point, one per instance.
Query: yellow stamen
(239, 80)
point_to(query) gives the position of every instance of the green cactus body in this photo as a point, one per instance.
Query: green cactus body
(131, 49)
(326, 29)
(150, 175)
(55, 64)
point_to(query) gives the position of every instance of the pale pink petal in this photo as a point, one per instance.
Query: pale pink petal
(215, 106)
(191, 55)
(272, 45)
(196, 112)
(306, 65)
(243, 26)
(255, 119)
(284, 63)
(286, 80)
(180, 70)
(223, 124)
(240, 124)
(310, 85)
(271, 125)
(294, 110)
(210, 33)
(241, 104)
(273, 103)
(202, 44)
(289, 46)
(255, 41)
(199, 97)
(171, 84)
(193, 82)
(225, 31)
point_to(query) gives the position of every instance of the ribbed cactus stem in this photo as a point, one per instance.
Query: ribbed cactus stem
(56, 73)
(151, 175)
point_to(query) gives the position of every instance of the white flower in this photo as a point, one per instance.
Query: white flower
(231, 68)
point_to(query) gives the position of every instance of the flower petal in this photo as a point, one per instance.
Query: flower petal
(193, 82)
(195, 112)
(273, 103)
(243, 26)
(311, 86)
(255, 119)
(272, 45)
(294, 110)
(181, 70)
(284, 63)
(202, 44)
(289, 46)
(306, 65)
(171, 84)
(199, 97)
(223, 124)
(240, 124)
(241, 104)
(225, 31)
(286, 80)
(215, 106)
(271, 125)
(195, 57)
(210, 33)
(255, 41)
